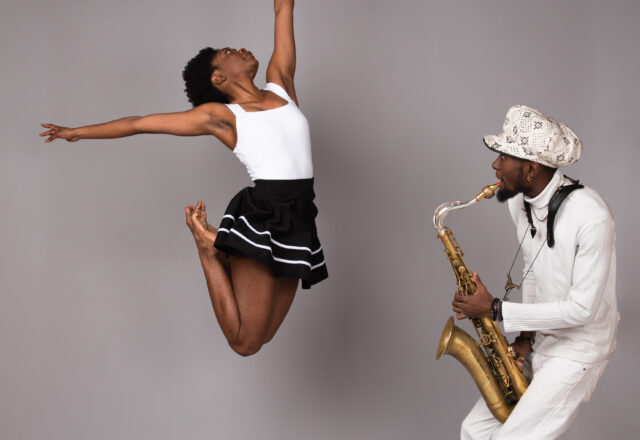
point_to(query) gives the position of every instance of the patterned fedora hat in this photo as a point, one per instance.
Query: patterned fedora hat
(531, 135)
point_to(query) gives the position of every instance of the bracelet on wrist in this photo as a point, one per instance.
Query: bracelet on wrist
(494, 308)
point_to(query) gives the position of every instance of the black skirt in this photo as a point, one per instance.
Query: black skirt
(274, 223)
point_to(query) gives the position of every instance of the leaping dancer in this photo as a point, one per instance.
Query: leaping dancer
(267, 239)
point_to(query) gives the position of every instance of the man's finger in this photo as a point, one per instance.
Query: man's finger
(460, 298)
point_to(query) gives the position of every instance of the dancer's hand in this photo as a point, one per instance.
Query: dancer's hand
(57, 132)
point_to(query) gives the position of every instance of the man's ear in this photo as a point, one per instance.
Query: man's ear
(531, 168)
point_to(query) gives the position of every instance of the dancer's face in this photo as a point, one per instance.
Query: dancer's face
(510, 171)
(232, 63)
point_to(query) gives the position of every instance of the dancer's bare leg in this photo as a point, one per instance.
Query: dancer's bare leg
(249, 302)
(263, 300)
(285, 292)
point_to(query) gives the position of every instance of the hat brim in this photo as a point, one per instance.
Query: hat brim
(495, 142)
(498, 144)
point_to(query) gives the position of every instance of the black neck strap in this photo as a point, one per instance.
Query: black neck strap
(554, 205)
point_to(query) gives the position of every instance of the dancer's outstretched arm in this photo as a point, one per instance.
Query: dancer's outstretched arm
(282, 66)
(206, 119)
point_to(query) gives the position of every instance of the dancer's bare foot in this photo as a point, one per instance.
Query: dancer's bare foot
(204, 234)
(201, 215)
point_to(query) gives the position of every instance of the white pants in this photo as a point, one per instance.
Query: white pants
(548, 407)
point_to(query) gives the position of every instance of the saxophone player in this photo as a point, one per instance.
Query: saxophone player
(568, 317)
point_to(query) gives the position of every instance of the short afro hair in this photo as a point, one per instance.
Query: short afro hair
(197, 79)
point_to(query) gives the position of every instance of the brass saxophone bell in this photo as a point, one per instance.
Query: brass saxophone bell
(457, 343)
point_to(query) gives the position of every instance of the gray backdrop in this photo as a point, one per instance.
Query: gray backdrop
(106, 329)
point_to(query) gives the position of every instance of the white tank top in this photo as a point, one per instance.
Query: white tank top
(274, 144)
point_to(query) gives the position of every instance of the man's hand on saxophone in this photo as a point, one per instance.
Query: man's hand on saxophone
(522, 347)
(477, 305)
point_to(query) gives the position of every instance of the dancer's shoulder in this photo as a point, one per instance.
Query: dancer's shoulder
(215, 110)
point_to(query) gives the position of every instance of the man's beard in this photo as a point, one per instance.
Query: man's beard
(503, 194)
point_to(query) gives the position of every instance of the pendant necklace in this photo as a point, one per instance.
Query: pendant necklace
(510, 285)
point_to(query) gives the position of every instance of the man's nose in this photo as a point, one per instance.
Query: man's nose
(495, 164)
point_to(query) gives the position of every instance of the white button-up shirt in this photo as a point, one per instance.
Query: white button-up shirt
(568, 297)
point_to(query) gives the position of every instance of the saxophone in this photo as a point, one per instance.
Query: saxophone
(490, 361)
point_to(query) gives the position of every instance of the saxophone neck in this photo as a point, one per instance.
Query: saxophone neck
(443, 210)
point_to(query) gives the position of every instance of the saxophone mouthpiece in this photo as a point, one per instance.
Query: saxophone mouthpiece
(488, 191)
